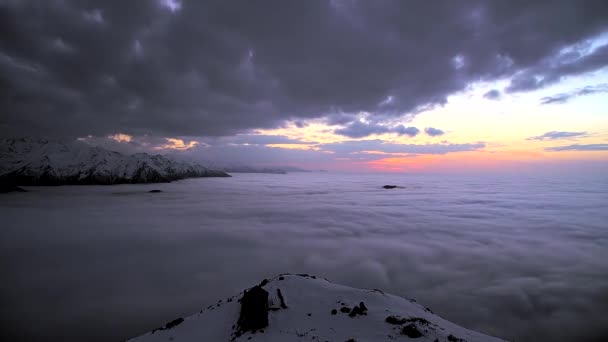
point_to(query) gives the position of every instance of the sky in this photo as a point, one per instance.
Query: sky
(344, 85)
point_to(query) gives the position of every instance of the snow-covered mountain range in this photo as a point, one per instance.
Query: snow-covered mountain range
(306, 308)
(44, 162)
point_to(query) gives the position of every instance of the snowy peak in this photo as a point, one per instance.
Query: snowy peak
(307, 308)
(43, 162)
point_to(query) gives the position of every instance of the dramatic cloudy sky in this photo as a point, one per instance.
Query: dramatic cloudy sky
(336, 84)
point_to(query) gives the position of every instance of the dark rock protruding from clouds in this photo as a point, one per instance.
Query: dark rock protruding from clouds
(392, 187)
(4, 188)
(221, 67)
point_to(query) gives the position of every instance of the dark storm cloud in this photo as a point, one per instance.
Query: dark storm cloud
(492, 95)
(433, 132)
(552, 70)
(340, 118)
(555, 135)
(565, 97)
(216, 67)
(358, 129)
(255, 139)
(300, 124)
(577, 147)
(258, 150)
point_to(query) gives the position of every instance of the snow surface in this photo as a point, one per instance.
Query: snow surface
(308, 316)
(43, 162)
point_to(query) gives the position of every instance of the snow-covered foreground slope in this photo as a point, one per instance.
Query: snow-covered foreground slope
(42, 162)
(307, 308)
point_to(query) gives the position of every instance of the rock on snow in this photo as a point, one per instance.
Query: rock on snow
(307, 308)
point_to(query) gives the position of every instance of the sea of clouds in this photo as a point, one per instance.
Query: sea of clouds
(520, 257)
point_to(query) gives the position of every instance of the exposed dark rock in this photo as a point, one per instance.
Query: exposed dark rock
(174, 323)
(170, 325)
(281, 278)
(345, 309)
(4, 188)
(362, 306)
(309, 314)
(418, 320)
(453, 338)
(395, 320)
(155, 191)
(390, 186)
(334, 311)
(280, 295)
(411, 331)
(399, 320)
(264, 282)
(358, 310)
(254, 310)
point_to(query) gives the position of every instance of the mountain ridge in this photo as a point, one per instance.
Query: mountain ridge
(28, 162)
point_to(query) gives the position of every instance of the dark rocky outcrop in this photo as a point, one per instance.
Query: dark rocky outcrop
(392, 187)
(411, 331)
(399, 320)
(170, 325)
(280, 295)
(4, 188)
(254, 310)
(395, 320)
(358, 310)
(155, 191)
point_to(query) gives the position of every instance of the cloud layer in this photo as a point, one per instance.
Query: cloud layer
(555, 135)
(170, 68)
(521, 258)
(565, 97)
(358, 129)
(579, 147)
